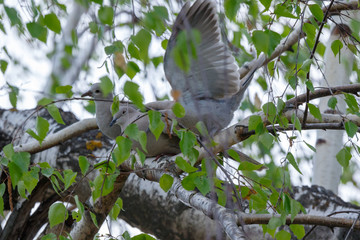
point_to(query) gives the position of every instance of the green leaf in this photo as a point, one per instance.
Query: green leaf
(131, 90)
(255, 123)
(352, 103)
(76, 215)
(178, 110)
(57, 214)
(13, 16)
(13, 95)
(79, 205)
(142, 40)
(22, 160)
(187, 142)
(123, 151)
(42, 127)
(164, 43)
(115, 105)
(106, 15)
(69, 178)
(332, 102)
(248, 166)
(142, 236)
(115, 211)
(44, 101)
(52, 22)
(188, 181)
(132, 69)
(309, 30)
(156, 124)
(310, 86)
(93, 218)
(283, 235)
(293, 162)
(298, 230)
(310, 146)
(270, 111)
(203, 184)
(8, 150)
(295, 208)
(94, 28)
(231, 8)
(166, 182)
(200, 126)
(134, 51)
(185, 50)
(18, 166)
(274, 222)
(344, 156)
(336, 46)
(351, 128)
(31, 179)
(233, 154)
(266, 4)
(46, 169)
(21, 189)
(266, 139)
(116, 46)
(106, 85)
(282, 11)
(34, 135)
(55, 113)
(184, 165)
(3, 66)
(103, 184)
(63, 89)
(315, 9)
(132, 131)
(315, 111)
(37, 31)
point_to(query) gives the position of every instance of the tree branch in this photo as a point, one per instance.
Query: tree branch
(296, 101)
(294, 35)
(54, 139)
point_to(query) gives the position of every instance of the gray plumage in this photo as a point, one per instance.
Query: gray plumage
(167, 143)
(211, 90)
(103, 110)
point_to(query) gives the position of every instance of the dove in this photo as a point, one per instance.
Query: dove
(167, 143)
(103, 110)
(210, 90)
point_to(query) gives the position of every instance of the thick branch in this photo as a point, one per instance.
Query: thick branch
(299, 219)
(54, 139)
(353, 88)
(86, 229)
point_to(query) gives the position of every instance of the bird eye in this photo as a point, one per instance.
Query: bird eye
(124, 111)
(97, 91)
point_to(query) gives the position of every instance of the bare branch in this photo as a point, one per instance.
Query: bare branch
(296, 101)
(52, 140)
(294, 35)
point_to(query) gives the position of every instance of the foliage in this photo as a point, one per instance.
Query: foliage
(127, 55)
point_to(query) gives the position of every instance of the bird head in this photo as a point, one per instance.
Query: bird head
(96, 92)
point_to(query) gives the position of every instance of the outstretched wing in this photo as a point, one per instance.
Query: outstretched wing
(213, 72)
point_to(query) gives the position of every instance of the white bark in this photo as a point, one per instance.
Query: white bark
(327, 171)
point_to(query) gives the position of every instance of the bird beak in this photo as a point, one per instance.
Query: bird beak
(88, 93)
(112, 122)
